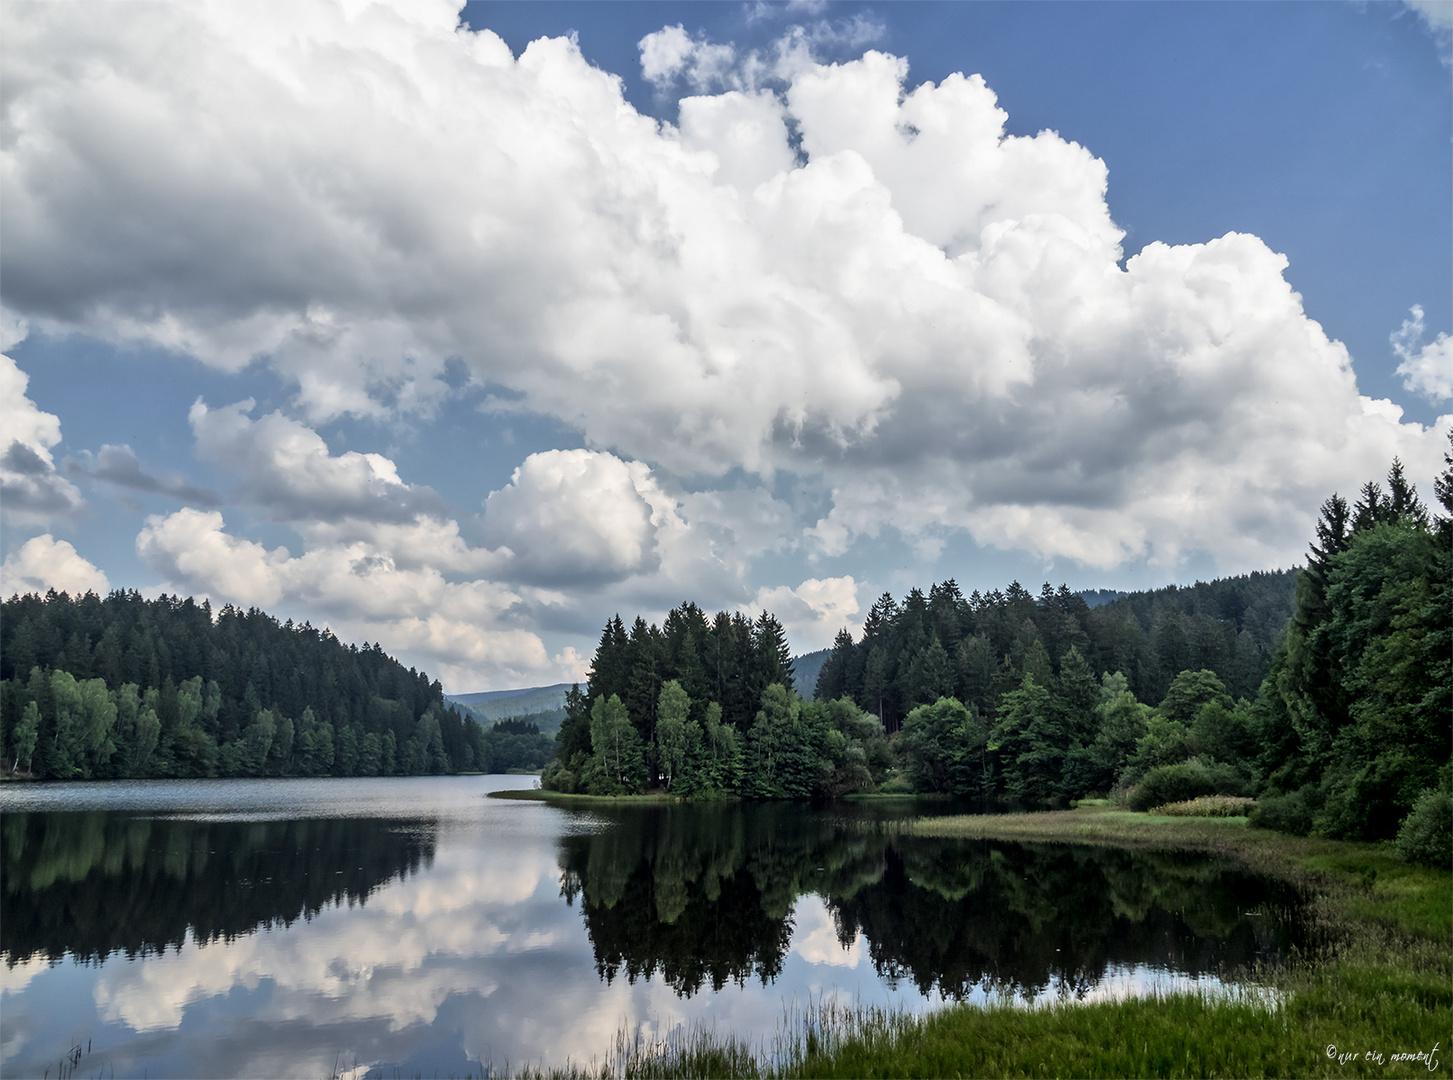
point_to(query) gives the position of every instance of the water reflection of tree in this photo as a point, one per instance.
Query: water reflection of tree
(90, 884)
(706, 894)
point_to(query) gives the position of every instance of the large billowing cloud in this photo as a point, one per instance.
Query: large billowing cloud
(577, 515)
(930, 319)
(31, 490)
(462, 628)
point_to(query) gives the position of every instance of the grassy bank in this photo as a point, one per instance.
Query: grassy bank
(1378, 984)
(1356, 888)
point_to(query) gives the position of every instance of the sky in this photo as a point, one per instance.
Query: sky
(463, 329)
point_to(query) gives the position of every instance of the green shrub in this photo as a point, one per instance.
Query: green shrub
(1184, 781)
(1283, 813)
(1427, 834)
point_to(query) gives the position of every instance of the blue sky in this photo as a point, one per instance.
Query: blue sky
(390, 319)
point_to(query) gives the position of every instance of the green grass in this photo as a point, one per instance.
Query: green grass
(1358, 887)
(1208, 806)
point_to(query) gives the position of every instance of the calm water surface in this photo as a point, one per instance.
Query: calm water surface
(412, 926)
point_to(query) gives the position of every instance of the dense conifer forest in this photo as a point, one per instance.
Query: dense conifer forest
(1324, 692)
(125, 687)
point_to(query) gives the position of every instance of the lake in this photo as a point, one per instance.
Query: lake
(413, 926)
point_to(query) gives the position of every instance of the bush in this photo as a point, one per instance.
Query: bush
(1427, 834)
(1184, 781)
(1283, 813)
(1208, 806)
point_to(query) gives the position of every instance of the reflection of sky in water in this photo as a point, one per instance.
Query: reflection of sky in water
(474, 959)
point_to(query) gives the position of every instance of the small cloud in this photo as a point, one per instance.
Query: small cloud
(119, 465)
(670, 53)
(286, 467)
(1427, 370)
(1437, 16)
(813, 612)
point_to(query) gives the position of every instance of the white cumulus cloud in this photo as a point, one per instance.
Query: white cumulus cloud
(31, 489)
(1426, 369)
(577, 515)
(461, 628)
(928, 318)
(814, 611)
(43, 563)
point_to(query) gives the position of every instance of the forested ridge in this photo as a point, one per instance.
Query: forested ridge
(1324, 692)
(121, 687)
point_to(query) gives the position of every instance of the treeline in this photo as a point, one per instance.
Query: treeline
(706, 707)
(124, 687)
(1325, 691)
(517, 745)
(979, 647)
(89, 885)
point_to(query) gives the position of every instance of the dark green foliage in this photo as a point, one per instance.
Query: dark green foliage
(714, 679)
(92, 883)
(1038, 698)
(945, 748)
(517, 744)
(1184, 780)
(1427, 835)
(1031, 741)
(126, 687)
(1292, 813)
(1364, 686)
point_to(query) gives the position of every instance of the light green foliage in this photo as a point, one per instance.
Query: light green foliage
(23, 739)
(1165, 742)
(1226, 734)
(618, 766)
(67, 742)
(673, 710)
(370, 755)
(256, 742)
(771, 742)
(723, 758)
(345, 761)
(282, 744)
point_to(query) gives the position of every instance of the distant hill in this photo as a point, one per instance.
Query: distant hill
(805, 669)
(543, 706)
(1098, 597)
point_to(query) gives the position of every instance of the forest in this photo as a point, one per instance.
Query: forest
(1325, 692)
(124, 687)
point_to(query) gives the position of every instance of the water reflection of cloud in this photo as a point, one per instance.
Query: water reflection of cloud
(815, 938)
(393, 959)
(17, 978)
